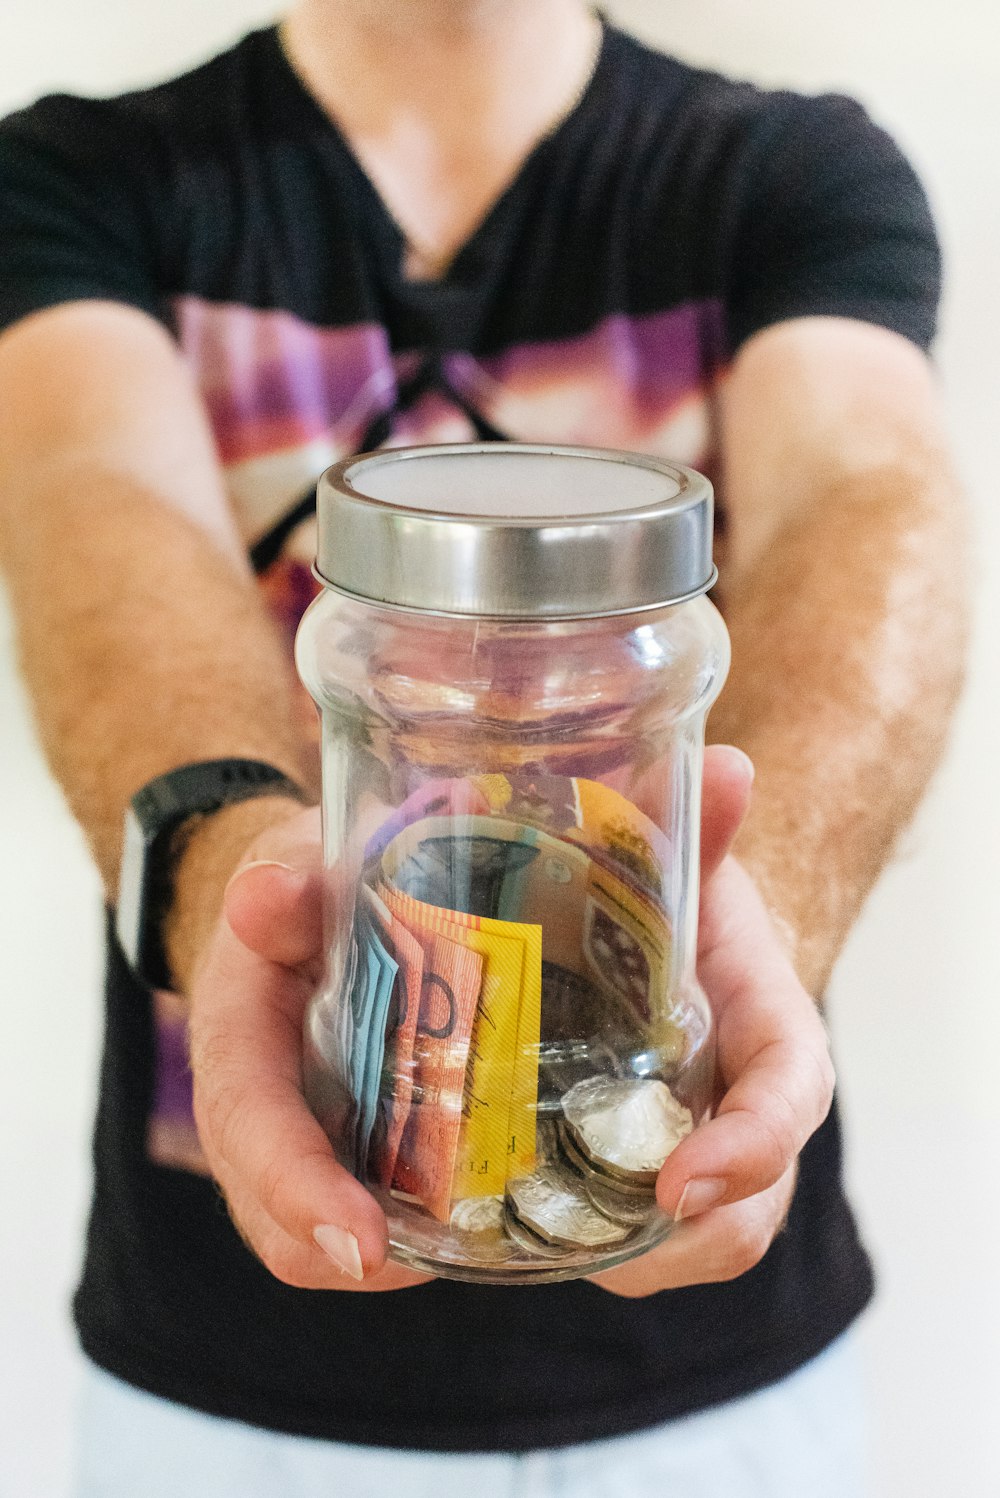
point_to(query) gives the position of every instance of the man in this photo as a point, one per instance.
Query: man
(422, 220)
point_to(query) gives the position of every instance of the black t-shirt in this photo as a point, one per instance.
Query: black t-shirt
(672, 214)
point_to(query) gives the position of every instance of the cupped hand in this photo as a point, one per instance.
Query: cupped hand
(729, 1184)
(304, 1216)
(313, 1225)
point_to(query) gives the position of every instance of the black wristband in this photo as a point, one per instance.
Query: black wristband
(149, 852)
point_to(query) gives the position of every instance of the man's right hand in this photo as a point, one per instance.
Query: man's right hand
(304, 1216)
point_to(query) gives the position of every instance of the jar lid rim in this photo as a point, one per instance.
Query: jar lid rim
(638, 540)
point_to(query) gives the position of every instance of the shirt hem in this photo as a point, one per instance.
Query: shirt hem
(506, 1431)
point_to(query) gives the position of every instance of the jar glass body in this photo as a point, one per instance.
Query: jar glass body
(510, 823)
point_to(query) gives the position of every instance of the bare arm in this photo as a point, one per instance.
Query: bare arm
(843, 582)
(145, 645)
(141, 633)
(844, 586)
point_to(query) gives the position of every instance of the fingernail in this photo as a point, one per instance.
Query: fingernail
(698, 1196)
(750, 766)
(261, 863)
(342, 1248)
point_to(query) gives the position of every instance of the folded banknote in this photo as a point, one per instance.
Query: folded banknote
(596, 923)
(501, 1085)
(494, 962)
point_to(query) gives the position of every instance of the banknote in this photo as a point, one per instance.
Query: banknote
(327, 1044)
(442, 796)
(371, 995)
(346, 1044)
(546, 801)
(584, 898)
(501, 1091)
(597, 816)
(401, 1028)
(613, 829)
(450, 986)
(459, 863)
(598, 925)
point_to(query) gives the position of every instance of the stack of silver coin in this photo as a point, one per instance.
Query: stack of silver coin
(594, 1183)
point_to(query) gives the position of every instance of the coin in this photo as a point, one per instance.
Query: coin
(556, 1208)
(626, 1126)
(626, 1207)
(478, 1222)
(577, 1161)
(477, 1214)
(530, 1241)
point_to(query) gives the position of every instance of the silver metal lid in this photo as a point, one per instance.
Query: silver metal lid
(515, 530)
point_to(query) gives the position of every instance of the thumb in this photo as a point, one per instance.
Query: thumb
(277, 911)
(727, 782)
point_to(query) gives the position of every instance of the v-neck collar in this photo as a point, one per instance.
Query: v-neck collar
(472, 258)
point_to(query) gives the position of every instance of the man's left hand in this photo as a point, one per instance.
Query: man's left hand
(731, 1181)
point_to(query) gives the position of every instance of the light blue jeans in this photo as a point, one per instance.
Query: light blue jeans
(800, 1438)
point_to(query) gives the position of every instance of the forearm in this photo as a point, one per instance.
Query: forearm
(144, 646)
(848, 635)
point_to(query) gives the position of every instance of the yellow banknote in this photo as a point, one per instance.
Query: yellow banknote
(595, 922)
(498, 1133)
(596, 816)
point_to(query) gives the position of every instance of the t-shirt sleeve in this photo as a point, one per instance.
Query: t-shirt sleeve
(835, 223)
(75, 218)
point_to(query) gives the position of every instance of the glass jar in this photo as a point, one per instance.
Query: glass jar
(513, 661)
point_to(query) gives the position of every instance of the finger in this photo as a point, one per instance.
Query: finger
(756, 1135)
(774, 1058)
(727, 782)
(304, 1266)
(277, 911)
(719, 1245)
(252, 1119)
(742, 960)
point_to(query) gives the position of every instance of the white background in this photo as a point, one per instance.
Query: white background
(916, 1002)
